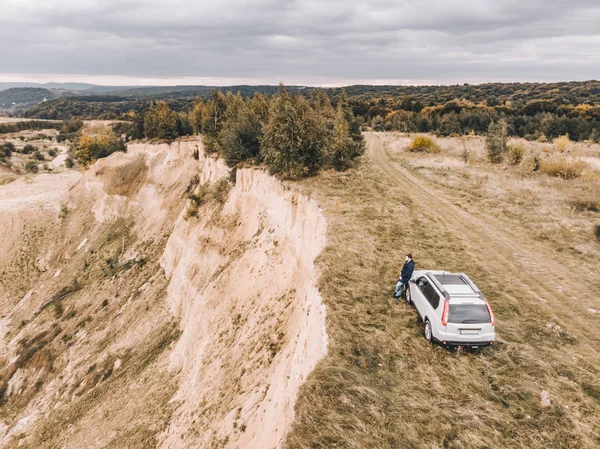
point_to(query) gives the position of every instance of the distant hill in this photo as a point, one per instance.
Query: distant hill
(532, 110)
(21, 96)
(155, 92)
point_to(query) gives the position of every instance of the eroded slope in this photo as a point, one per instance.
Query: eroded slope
(148, 327)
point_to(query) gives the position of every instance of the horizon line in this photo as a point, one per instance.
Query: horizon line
(132, 81)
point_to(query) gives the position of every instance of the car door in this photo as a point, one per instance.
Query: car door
(432, 301)
(418, 295)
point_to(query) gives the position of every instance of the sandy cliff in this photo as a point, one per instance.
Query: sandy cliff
(138, 325)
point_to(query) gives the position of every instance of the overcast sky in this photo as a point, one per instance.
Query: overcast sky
(326, 42)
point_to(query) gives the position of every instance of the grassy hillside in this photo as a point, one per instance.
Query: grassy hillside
(524, 237)
(23, 96)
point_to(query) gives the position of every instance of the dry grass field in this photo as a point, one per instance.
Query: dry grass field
(35, 152)
(525, 237)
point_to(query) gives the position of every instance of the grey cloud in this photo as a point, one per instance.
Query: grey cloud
(433, 40)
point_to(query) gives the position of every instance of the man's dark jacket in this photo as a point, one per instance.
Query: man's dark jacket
(407, 271)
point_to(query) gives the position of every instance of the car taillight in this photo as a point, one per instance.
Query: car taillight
(492, 317)
(445, 312)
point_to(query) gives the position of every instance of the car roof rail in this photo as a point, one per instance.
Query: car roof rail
(465, 278)
(438, 284)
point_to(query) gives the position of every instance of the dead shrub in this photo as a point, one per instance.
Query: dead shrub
(126, 180)
(589, 201)
(562, 167)
(562, 143)
(424, 144)
(515, 153)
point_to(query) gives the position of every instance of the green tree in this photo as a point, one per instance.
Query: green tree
(294, 137)
(160, 122)
(197, 115)
(259, 105)
(240, 135)
(495, 140)
(353, 123)
(212, 120)
(341, 147)
(87, 149)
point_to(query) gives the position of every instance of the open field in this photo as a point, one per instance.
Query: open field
(527, 239)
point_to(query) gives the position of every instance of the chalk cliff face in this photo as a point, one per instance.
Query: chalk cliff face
(146, 326)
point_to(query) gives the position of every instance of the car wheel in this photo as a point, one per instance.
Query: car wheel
(427, 331)
(407, 296)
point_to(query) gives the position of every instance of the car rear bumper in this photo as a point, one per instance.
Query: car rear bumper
(470, 344)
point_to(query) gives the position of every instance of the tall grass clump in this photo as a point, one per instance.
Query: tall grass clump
(562, 143)
(424, 144)
(563, 167)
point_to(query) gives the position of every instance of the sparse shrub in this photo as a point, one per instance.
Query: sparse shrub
(28, 149)
(126, 179)
(196, 199)
(31, 167)
(58, 307)
(424, 144)
(69, 162)
(7, 149)
(562, 167)
(542, 139)
(597, 232)
(562, 143)
(515, 153)
(588, 200)
(465, 155)
(495, 141)
(220, 190)
(191, 211)
(52, 152)
(39, 156)
(64, 212)
(105, 303)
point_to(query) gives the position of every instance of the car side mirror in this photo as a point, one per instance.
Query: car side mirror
(412, 281)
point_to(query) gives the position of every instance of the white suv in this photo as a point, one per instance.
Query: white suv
(453, 309)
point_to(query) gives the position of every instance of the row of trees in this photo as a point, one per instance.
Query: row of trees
(295, 136)
(584, 124)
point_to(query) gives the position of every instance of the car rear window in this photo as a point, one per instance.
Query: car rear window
(450, 279)
(469, 314)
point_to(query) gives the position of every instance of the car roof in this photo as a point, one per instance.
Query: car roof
(453, 286)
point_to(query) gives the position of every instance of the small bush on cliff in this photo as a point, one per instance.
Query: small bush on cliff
(87, 149)
(31, 167)
(220, 190)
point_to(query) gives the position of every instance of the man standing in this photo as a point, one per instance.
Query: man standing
(405, 275)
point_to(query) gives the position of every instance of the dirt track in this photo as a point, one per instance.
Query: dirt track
(522, 261)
